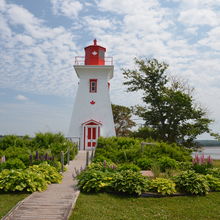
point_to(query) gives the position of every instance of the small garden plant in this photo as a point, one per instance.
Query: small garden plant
(118, 162)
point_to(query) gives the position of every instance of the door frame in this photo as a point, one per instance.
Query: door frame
(91, 124)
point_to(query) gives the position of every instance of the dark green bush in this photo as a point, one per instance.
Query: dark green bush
(144, 163)
(129, 182)
(162, 186)
(185, 165)
(128, 166)
(92, 180)
(167, 163)
(192, 183)
(200, 168)
(124, 149)
(13, 164)
(21, 153)
(214, 182)
(14, 141)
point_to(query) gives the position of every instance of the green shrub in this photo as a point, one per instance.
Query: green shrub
(192, 183)
(34, 178)
(128, 166)
(13, 164)
(92, 180)
(14, 141)
(21, 153)
(214, 172)
(101, 158)
(214, 183)
(162, 186)
(22, 180)
(50, 173)
(103, 166)
(167, 163)
(144, 163)
(129, 182)
(124, 149)
(184, 165)
(161, 149)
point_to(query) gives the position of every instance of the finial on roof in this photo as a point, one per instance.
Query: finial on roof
(95, 42)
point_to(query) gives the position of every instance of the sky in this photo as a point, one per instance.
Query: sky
(40, 39)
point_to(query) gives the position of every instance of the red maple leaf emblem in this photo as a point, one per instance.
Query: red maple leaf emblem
(92, 102)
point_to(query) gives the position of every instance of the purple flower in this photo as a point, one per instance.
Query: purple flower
(37, 155)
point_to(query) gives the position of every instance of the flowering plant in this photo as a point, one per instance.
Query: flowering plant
(201, 164)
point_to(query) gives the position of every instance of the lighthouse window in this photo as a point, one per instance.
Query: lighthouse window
(93, 85)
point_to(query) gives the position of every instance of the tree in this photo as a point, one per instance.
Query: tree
(170, 109)
(122, 119)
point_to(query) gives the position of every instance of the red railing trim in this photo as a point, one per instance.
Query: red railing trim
(80, 60)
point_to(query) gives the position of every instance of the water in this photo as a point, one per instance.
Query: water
(214, 152)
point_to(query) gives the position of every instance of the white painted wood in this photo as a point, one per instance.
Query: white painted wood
(83, 110)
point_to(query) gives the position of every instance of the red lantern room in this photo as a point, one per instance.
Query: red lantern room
(94, 54)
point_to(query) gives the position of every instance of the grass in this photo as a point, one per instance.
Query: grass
(105, 206)
(216, 163)
(9, 200)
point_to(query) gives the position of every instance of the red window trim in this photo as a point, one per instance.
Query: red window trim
(93, 88)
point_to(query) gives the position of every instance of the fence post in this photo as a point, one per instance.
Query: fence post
(68, 155)
(87, 158)
(92, 155)
(142, 147)
(62, 161)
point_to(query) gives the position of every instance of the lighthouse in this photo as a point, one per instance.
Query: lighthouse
(92, 113)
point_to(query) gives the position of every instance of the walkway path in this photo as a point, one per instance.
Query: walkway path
(56, 202)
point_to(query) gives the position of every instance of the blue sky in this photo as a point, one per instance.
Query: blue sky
(39, 40)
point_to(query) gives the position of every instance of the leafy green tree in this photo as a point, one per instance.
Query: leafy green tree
(122, 119)
(170, 109)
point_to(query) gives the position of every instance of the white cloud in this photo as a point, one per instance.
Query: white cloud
(212, 40)
(21, 98)
(128, 6)
(69, 8)
(198, 3)
(194, 17)
(37, 58)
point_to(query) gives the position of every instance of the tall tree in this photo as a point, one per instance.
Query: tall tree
(170, 109)
(122, 119)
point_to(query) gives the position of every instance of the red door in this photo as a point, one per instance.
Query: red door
(91, 136)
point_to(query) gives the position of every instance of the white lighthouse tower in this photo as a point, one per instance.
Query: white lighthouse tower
(92, 113)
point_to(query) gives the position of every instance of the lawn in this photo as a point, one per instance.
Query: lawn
(216, 163)
(105, 206)
(9, 200)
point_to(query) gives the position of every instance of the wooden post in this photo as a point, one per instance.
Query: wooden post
(92, 155)
(68, 155)
(62, 161)
(87, 158)
(142, 147)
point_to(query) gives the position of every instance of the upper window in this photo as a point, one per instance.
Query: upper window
(93, 85)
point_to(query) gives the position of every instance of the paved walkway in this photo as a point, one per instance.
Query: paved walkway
(56, 202)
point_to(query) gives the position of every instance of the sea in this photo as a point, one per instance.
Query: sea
(214, 152)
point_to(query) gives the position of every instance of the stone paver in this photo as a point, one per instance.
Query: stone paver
(56, 202)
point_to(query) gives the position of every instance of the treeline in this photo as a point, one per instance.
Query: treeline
(207, 143)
